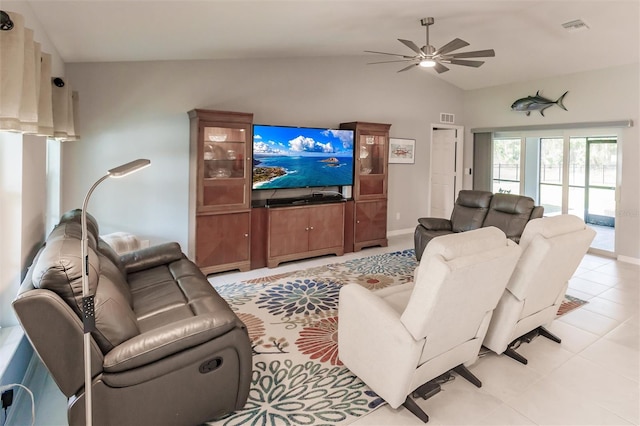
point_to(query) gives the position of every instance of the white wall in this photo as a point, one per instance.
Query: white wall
(139, 110)
(597, 96)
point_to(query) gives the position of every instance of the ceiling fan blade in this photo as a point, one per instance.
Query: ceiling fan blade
(475, 64)
(385, 53)
(440, 68)
(475, 54)
(411, 45)
(388, 62)
(454, 44)
(408, 68)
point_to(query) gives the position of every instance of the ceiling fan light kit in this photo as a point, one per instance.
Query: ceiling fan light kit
(430, 57)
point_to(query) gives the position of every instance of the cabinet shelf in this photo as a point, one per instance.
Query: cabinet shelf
(219, 179)
(224, 142)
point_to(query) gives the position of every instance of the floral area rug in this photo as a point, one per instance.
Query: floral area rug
(569, 304)
(292, 320)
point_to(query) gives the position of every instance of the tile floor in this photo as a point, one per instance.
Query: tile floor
(592, 378)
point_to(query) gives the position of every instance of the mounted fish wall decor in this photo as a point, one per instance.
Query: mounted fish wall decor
(537, 103)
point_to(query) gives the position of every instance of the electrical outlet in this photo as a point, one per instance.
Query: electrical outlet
(398, 216)
(7, 398)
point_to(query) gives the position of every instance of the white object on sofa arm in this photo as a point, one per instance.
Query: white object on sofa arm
(400, 337)
(124, 242)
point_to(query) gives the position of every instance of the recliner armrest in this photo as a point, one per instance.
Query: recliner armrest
(167, 340)
(150, 257)
(435, 223)
(537, 212)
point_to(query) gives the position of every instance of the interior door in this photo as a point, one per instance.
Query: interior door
(444, 172)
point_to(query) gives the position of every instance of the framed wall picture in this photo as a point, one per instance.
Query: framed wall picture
(402, 150)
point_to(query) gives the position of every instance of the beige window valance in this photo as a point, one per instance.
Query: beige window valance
(31, 101)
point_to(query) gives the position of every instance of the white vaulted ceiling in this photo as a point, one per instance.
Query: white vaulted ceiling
(527, 36)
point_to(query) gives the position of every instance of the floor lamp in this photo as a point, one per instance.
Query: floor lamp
(88, 312)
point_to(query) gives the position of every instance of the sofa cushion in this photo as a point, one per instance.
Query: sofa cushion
(111, 271)
(75, 216)
(59, 265)
(105, 249)
(115, 320)
(59, 269)
(174, 290)
(470, 210)
(510, 213)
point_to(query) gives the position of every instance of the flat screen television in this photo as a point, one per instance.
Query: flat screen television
(301, 157)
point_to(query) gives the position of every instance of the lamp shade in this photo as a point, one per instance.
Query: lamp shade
(129, 168)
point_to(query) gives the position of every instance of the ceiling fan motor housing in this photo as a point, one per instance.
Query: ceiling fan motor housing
(426, 21)
(428, 49)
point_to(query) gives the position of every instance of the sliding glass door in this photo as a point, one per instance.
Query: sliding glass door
(551, 176)
(588, 185)
(563, 172)
(507, 165)
(600, 181)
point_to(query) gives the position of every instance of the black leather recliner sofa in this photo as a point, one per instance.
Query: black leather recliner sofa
(477, 209)
(168, 349)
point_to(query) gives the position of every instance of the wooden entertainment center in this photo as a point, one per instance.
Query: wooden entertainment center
(227, 231)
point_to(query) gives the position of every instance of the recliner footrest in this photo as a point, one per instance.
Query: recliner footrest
(427, 390)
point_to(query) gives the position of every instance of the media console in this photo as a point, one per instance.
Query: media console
(309, 229)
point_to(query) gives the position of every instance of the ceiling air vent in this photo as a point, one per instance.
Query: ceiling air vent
(575, 25)
(447, 118)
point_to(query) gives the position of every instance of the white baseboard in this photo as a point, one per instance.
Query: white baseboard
(628, 259)
(400, 232)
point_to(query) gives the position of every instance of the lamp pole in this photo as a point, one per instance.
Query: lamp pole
(88, 312)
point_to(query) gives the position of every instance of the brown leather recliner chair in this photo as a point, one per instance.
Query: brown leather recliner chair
(167, 348)
(477, 209)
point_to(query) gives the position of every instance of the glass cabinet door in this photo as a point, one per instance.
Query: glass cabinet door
(372, 154)
(224, 166)
(372, 165)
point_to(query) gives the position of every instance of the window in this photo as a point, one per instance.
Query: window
(53, 183)
(551, 175)
(593, 171)
(506, 165)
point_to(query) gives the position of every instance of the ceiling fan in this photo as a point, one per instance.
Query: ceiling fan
(430, 57)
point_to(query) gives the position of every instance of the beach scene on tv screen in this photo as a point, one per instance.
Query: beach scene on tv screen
(294, 157)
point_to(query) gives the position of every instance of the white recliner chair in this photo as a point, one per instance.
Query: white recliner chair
(401, 337)
(552, 249)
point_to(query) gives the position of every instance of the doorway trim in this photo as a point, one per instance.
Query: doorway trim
(459, 156)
